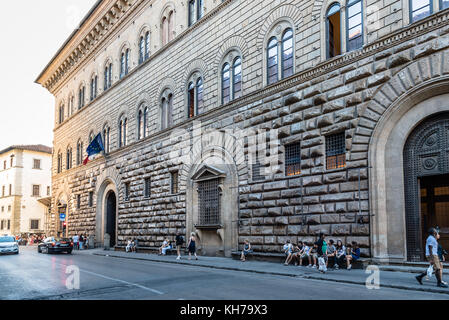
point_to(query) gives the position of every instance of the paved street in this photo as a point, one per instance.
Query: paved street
(35, 276)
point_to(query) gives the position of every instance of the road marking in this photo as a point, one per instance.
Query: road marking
(123, 281)
(118, 280)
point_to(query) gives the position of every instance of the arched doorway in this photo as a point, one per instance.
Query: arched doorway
(111, 217)
(426, 182)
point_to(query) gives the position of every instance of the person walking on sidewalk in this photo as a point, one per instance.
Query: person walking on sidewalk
(179, 243)
(81, 242)
(432, 257)
(76, 242)
(322, 253)
(192, 246)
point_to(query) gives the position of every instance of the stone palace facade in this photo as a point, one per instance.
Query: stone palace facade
(261, 120)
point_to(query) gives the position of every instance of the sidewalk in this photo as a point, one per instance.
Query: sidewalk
(390, 276)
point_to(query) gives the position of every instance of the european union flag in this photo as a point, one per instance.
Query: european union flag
(95, 147)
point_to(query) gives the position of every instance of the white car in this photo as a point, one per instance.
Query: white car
(8, 245)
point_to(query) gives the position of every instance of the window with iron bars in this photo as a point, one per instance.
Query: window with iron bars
(174, 182)
(209, 202)
(336, 151)
(293, 159)
(147, 193)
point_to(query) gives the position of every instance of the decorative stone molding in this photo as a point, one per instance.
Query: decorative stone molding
(235, 42)
(167, 83)
(197, 65)
(284, 11)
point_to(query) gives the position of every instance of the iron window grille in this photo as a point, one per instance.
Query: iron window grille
(257, 171)
(209, 203)
(126, 191)
(91, 199)
(174, 182)
(147, 188)
(78, 201)
(336, 151)
(293, 159)
(34, 225)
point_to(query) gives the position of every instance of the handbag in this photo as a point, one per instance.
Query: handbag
(430, 271)
(322, 264)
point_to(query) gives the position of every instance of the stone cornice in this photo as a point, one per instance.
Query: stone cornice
(101, 32)
(62, 64)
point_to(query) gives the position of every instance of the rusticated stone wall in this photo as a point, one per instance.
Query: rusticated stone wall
(346, 94)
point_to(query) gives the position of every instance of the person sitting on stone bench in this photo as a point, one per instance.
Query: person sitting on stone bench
(304, 253)
(295, 254)
(129, 246)
(134, 245)
(288, 250)
(353, 254)
(340, 254)
(246, 250)
(165, 246)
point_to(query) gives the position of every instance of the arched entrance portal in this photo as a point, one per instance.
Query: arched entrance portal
(111, 217)
(426, 178)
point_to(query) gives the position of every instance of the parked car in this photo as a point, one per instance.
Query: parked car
(8, 244)
(53, 245)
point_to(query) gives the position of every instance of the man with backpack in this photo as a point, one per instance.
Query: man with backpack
(179, 242)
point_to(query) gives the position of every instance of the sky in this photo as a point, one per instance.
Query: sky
(31, 31)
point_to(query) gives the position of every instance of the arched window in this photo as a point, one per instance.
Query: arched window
(170, 26)
(333, 30)
(91, 137)
(71, 105)
(142, 122)
(225, 84)
(141, 49)
(81, 97)
(79, 153)
(191, 100)
(199, 95)
(144, 47)
(59, 162)
(166, 110)
(123, 129)
(195, 95)
(69, 158)
(107, 76)
(191, 12)
(93, 87)
(124, 63)
(287, 53)
(231, 77)
(61, 113)
(354, 25)
(272, 63)
(420, 9)
(106, 139)
(164, 31)
(237, 78)
(147, 45)
(196, 11)
(199, 9)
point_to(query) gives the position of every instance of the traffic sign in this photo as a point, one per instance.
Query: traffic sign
(62, 216)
